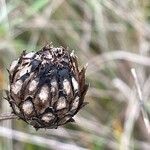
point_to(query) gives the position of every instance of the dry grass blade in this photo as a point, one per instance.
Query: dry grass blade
(37, 140)
(145, 116)
(7, 116)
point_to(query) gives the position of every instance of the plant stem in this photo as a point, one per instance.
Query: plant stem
(141, 101)
(7, 116)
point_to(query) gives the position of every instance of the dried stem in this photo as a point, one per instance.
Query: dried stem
(144, 114)
(7, 116)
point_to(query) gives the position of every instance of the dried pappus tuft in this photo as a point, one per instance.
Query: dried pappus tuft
(46, 88)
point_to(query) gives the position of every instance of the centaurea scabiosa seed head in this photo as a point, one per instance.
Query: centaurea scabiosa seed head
(46, 87)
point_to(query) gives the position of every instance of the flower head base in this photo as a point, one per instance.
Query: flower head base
(46, 88)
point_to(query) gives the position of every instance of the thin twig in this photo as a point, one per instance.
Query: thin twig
(130, 113)
(37, 140)
(7, 116)
(144, 114)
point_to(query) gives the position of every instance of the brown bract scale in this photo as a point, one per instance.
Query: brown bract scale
(46, 88)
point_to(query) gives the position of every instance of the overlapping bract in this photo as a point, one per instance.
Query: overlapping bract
(46, 88)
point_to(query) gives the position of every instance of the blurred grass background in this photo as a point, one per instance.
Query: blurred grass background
(112, 36)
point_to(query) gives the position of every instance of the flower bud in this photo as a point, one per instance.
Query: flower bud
(46, 88)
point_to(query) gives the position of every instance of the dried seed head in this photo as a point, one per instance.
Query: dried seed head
(16, 87)
(27, 107)
(33, 85)
(67, 86)
(46, 88)
(61, 103)
(43, 95)
(48, 117)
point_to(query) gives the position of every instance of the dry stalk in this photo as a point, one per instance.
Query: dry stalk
(7, 116)
(141, 101)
